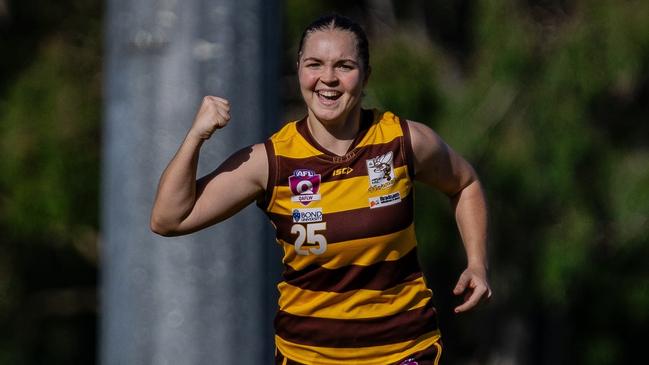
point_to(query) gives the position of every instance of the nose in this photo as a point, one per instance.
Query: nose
(329, 76)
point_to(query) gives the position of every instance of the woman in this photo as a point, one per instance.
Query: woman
(337, 186)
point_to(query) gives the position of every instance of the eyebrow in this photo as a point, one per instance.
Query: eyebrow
(338, 61)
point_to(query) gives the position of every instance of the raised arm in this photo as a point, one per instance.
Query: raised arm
(437, 165)
(183, 204)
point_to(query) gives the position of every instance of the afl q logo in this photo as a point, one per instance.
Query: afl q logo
(304, 186)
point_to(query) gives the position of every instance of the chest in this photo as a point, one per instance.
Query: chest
(324, 207)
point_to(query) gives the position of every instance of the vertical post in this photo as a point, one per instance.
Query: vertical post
(202, 298)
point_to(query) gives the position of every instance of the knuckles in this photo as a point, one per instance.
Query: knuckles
(213, 114)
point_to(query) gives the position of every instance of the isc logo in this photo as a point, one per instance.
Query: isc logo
(342, 171)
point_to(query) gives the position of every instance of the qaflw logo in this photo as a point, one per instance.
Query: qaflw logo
(307, 215)
(304, 185)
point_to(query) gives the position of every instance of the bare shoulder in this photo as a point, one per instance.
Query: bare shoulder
(436, 163)
(425, 142)
(258, 165)
(259, 161)
(259, 153)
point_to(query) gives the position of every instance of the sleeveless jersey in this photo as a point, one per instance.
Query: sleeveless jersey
(352, 289)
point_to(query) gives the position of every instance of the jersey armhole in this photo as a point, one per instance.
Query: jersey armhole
(407, 146)
(272, 176)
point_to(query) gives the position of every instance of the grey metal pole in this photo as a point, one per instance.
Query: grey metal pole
(202, 298)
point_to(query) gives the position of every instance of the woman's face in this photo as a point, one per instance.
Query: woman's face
(331, 74)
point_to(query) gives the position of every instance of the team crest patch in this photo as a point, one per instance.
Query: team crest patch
(304, 186)
(380, 170)
(384, 200)
(307, 215)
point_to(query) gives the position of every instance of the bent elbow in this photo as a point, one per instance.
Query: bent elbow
(160, 229)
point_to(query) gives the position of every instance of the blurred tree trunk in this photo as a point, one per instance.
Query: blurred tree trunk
(203, 298)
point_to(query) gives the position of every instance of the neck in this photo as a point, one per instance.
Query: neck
(335, 135)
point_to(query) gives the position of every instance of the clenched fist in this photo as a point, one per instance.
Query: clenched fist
(213, 114)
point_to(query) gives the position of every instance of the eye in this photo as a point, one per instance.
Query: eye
(312, 65)
(346, 67)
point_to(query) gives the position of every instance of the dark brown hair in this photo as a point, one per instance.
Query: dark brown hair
(341, 22)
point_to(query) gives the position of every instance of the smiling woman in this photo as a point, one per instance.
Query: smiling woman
(333, 70)
(332, 82)
(338, 187)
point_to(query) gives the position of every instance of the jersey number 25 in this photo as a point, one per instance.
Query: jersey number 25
(309, 236)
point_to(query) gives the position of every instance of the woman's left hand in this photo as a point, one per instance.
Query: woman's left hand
(475, 287)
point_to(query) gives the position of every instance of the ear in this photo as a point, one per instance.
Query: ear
(297, 62)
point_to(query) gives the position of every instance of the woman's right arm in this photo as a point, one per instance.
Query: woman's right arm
(183, 204)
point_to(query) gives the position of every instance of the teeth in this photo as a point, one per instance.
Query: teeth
(329, 93)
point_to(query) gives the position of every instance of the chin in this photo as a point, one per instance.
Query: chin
(336, 113)
(327, 115)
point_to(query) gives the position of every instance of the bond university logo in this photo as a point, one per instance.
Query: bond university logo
(380, 171)
(304, 186)
(307, 215)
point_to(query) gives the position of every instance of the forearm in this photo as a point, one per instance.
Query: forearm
(176, 193)
(471, 216)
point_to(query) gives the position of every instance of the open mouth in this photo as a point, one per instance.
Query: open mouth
(328, 96)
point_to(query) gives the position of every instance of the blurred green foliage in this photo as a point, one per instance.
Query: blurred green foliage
(548, 99)
(50, 105)
(550, 102)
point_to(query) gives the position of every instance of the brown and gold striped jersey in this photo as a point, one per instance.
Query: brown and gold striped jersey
(352, 289)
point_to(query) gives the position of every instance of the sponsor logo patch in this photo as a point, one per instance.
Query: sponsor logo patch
(307, 215)
(304, 186)
(380, 171)
(384, 200)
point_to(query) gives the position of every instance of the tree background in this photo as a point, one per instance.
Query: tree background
(549, 100)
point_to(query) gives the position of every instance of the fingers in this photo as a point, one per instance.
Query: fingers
(217, 99)
(222, 106)
(220, 103)
(461, 285)
(473, 299)
(223, 109)
(224, 113)
(213, 114)
(474, 287)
